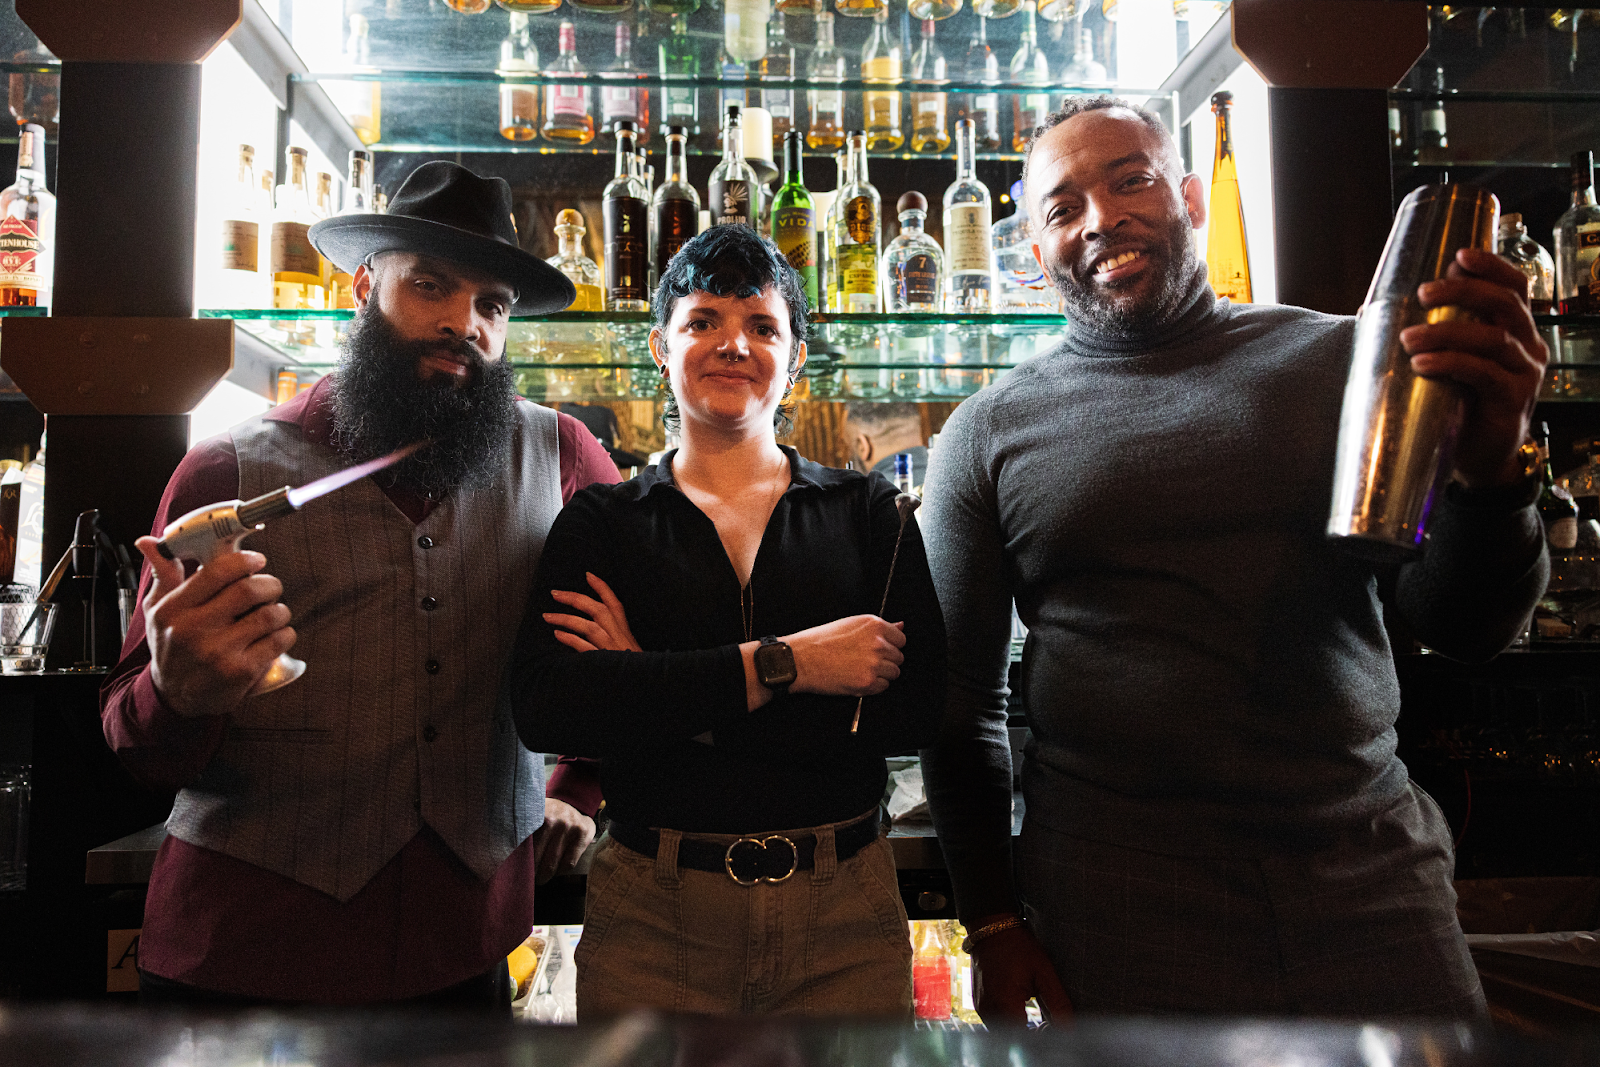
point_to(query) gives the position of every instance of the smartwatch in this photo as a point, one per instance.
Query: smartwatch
(774, 664)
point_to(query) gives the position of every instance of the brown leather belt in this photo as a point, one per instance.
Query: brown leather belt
(748, 860)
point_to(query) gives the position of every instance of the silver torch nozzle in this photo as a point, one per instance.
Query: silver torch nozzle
(1397, 430)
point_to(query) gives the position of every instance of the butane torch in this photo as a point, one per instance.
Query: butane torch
(216, 529)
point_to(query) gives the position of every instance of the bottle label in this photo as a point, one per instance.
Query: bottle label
(794, 231)
(780, 105)
(619, 104)
(680, 104)
(291, 250)
(1433, 120)
(860, 221)
(967, 231)
(881, 68)
(676, 222)
(917, 280)
(571, 101)
(1563, 533)
(1586, 272)
(986, 102)
(730, 203)
(20, 248)
(858, 276)
(1035, 106)
(928, 105)
(627, 241)
(826, 106)
(241, 243)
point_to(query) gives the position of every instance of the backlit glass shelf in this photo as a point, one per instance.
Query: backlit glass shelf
(576, 356)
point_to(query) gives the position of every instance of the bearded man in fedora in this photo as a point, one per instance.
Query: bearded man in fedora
(373, 831)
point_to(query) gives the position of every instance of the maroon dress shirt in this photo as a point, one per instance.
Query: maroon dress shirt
(424, 922)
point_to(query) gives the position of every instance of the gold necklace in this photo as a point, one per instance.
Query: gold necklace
(747, 614)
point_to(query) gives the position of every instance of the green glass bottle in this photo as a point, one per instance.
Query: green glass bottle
(794, 220)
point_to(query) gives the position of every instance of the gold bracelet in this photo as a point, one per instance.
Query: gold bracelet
(988, 931)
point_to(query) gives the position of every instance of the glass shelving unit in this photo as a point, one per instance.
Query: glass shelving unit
(586, 356)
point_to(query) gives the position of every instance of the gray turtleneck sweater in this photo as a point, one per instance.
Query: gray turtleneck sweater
(1205, 673)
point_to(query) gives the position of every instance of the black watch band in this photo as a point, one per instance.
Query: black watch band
(774, 664)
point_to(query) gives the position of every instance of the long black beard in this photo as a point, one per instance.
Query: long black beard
(1086, 307)
(381, 404)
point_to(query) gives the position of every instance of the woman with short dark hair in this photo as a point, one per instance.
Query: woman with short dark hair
(706, 631)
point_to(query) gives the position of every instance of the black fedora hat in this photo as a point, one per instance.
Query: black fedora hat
(445, 210)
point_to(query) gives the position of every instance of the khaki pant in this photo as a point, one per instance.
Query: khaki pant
(831, 941)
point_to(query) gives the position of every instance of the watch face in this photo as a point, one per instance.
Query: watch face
(775, 665)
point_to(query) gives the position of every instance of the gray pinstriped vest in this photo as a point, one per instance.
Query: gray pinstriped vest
(400, 719)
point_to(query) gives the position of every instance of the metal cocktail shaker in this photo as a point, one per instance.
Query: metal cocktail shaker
(1397, 430)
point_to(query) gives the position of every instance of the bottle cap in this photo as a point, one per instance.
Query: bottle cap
(677, 131)
(902, 460)
(1510, 221)
(568, 217)
(624, 125)
(1221, 100)
(912, 201)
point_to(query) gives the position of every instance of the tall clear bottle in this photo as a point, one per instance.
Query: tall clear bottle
(625, 209)
(676, 205)
(880, 64)
(968, 236)
(825, 128)
(1084, 69)
(1577, 237)
(357, 201)
(794, 219)
(913, 264)
(1029, 67)
(519, 101)
(27, 227)
(930, 122)
(568, 115)
(624, 103)
(981, 67)
(1227, 252)
(296, 271)
(778, 65)
(1530, 257)
(680, 67)
(857, 235)
(731, 192)
(240, 257)
(1020, 283)
(744, 29)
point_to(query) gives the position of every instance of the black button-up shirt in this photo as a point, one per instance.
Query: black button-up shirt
(792, 763)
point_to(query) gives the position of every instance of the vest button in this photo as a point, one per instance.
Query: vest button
(425, 541)
(428, 603)
(432, 666)
(429, 733)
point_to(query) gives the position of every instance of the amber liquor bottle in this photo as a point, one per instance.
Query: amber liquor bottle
(27, 227)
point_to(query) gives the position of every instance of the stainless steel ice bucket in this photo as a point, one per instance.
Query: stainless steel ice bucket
(1397, 431)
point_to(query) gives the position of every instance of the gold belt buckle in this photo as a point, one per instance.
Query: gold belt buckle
(762, 843)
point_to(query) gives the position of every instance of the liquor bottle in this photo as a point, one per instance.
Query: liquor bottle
(240, 277)
(519, 102)
(322, 208)
(675, 206)
(826, 127)
(932, 9)
(580, 270)
(1577, 237)
(930, 971)
(1433, 138)
(29, 567)
(357, 201)
(1556, 506)
(360, 101)
(567, 115)
(1528, 256)
(1020, 281)
(732, 189)
(744, 29)
(624, 103)
(602, 7)
(913, 265)
(296, 272)
(625, 206)
(778, 65)
(982, 66)
(1002, 9)
(968, 240)
(576, 343)
(729, 69)
(798, 7)
(1084, 69)
(680, 62)
(930, 126)
(794, 219)
(380, 200)
(1227, 251)
(880, 64)
(35, 96)
(468, 7)
(27, 227)
(858, 234)
(862, 9)
(904, 479)
(673, 7)
(828, 225)
(1029, 67)
(266, 213)
(647, 185)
